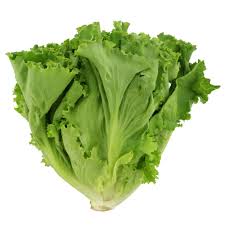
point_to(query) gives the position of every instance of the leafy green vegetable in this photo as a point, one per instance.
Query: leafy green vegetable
(103, 105)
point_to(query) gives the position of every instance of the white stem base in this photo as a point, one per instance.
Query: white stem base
(102, 205)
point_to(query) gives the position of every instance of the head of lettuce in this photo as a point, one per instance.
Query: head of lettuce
(103, 105)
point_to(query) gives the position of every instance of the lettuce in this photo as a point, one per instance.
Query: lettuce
(103, 105)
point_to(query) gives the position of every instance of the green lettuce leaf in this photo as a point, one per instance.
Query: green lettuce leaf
(103, 105)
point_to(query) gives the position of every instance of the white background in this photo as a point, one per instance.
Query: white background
(191, 185)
